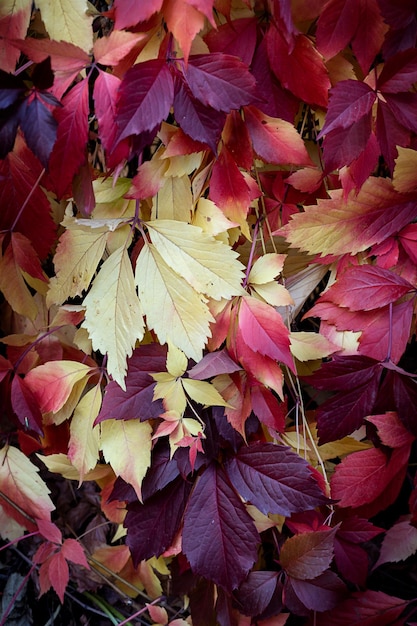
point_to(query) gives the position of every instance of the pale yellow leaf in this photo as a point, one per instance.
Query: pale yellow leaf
(60, 464)
(307, 346)
(107, 191)
(83, 450)
(13, 286)
(405, 170)
(20, 483)
(273, 293)
(126, 445)
(9, 528)
(173, 309)
(78, 253)
(113, 315)
(174, 201)
(67, 20)
(264, 522)
(207, 264)
(210, 218)
(203, 392)
(113, 48)
(266, 268)
(183, 165)
(301, 285)
(170, 390)
(176, 360)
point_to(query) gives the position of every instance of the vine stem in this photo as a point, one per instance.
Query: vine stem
(252, 252)
(389, 351)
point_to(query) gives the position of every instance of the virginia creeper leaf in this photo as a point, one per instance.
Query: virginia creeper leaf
(184, 22)
(366, 608)
(25, 406)
(14, 22)
(126, 446)
(274, 479)
(146, 95)
(308, 555)
(256, 592)
(130, 13)
(68, 20)
(136, 402)
(399, 543)
(83, 448)
(151, 527)
(219, 538)
(113, 315)
(349, 101)
(39, 127)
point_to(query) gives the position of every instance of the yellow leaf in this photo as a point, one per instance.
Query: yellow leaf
(173, 309)
(20, 483)
(207, 264)
(60, 464)
(67, 20)
(78, 253)
(13, 286)
(174, 201)
(309, 346)
(176, 360)
(266, 268)
(113, 315)
(273, 293)
(126, 445)
(203, 393)
(210, 218)
(83, 450)
(405, 170)
(169, 389)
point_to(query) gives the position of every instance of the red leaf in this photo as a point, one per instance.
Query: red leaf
(228, 188)
(391, 431)
(25, 406)
(151, 527)
(401, 391)
(220, 81)
(367, 287)
(58, 573)
(14, 22)
(69, 151)
(213, 364)
(73, 551)
(366, 608)
(237, 38)
(275, 140)
(18, 187)
(237, 140)
(399, 72)
(274, 479)
(5, 367)
(216, 547)
(130, 12)
(49, 531)
(300, 68)
(364, 477)
(146, 96)
(349, 101)
(261, 328)
(343, 145)
(268, 410)
(137, 401)
(106, 89)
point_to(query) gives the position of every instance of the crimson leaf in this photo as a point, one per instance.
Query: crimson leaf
(151, 527)
(274, 479)
(137, 401)
(220, 81)
(366, 608)
(25, 406)
(219, 538)
(146, 96)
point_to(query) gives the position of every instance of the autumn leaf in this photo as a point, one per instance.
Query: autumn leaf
(113, 315)
(126, 445)
(308, 555)
(21, 485)
(14, 21)
(68, 21)
(83, 449)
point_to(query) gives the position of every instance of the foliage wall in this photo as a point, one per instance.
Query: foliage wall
(208, 278)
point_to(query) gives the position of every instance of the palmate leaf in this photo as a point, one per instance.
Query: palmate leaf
(113, 316)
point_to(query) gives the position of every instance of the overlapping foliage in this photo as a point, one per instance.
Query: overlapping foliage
(208, 270)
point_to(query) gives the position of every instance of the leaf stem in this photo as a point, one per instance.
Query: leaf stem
(252, 253)
(389, 351)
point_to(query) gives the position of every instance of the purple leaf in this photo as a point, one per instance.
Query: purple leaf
(137, 401)
(399, 393)
(352, 562)
(399, 72)
(403, 106)
(237, 38)
(319, 594)
(256, 592)
(390, 134)
(162, 471)
(39, 127)
(342, 146)
(151, 527)
(274, 479)
(366, 608)
(349, 101)
(212, 364)
(146, 96)
(220, 81)
(200, 122)
(9, 123)
(219, 537)
(25, 406)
